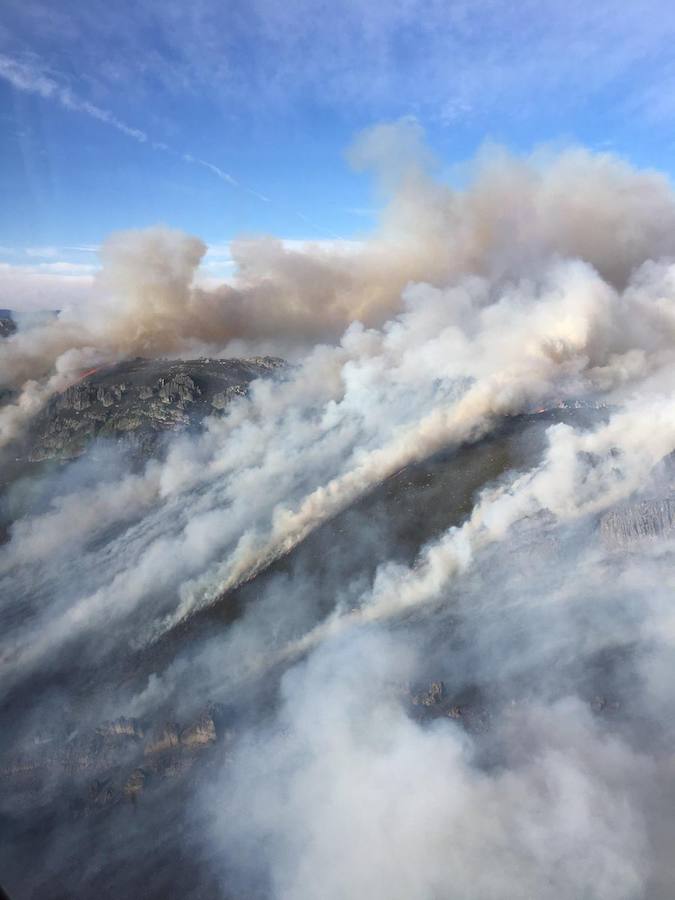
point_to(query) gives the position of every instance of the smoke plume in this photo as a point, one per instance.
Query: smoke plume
(514, 220)
(387, 568)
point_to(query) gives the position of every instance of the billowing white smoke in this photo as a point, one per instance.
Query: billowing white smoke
(441, 373)
(351, 798)
(514, 219)
(544, 280)
(450, 364)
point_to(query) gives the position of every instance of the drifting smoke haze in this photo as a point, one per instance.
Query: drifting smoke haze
(545, 280)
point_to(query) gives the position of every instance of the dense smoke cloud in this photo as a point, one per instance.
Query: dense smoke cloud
(352, 798)
(545, 281)
(515, 218)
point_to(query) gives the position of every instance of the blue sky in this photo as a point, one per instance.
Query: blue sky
(229, 118)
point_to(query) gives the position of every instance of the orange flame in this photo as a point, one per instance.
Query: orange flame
(89, 372)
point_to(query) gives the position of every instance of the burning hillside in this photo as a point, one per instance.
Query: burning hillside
(392, 620)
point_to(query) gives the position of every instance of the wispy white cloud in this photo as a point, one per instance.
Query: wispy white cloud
(48, 252)
(365, 212)
(52, 285)
(62, 267)
(224, 176)
(462, 59)
(482, 63)
(219, 173)
(30, 78)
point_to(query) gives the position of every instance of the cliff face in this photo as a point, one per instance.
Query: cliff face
(135, 402)
(646, 519)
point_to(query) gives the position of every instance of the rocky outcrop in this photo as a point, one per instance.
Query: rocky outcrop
(638, 521)
(121, 727)
(200, 734)
(117, 761)
(135, 783)
(431, 696)
(136, 402)
(7, 324)
(434, 701)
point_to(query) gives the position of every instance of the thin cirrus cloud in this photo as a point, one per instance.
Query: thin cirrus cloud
(42, 252)
(461, 59)
(31, 78)
(484, 62)
(219, 173)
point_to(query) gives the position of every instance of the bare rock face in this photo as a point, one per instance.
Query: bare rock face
(135, 402)
(121, 726)
(115, 763)
(7, 324)
(135, 783)
(164, 738)
(435, 701)
(646, 519)
(201, 733)
(432, 696)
